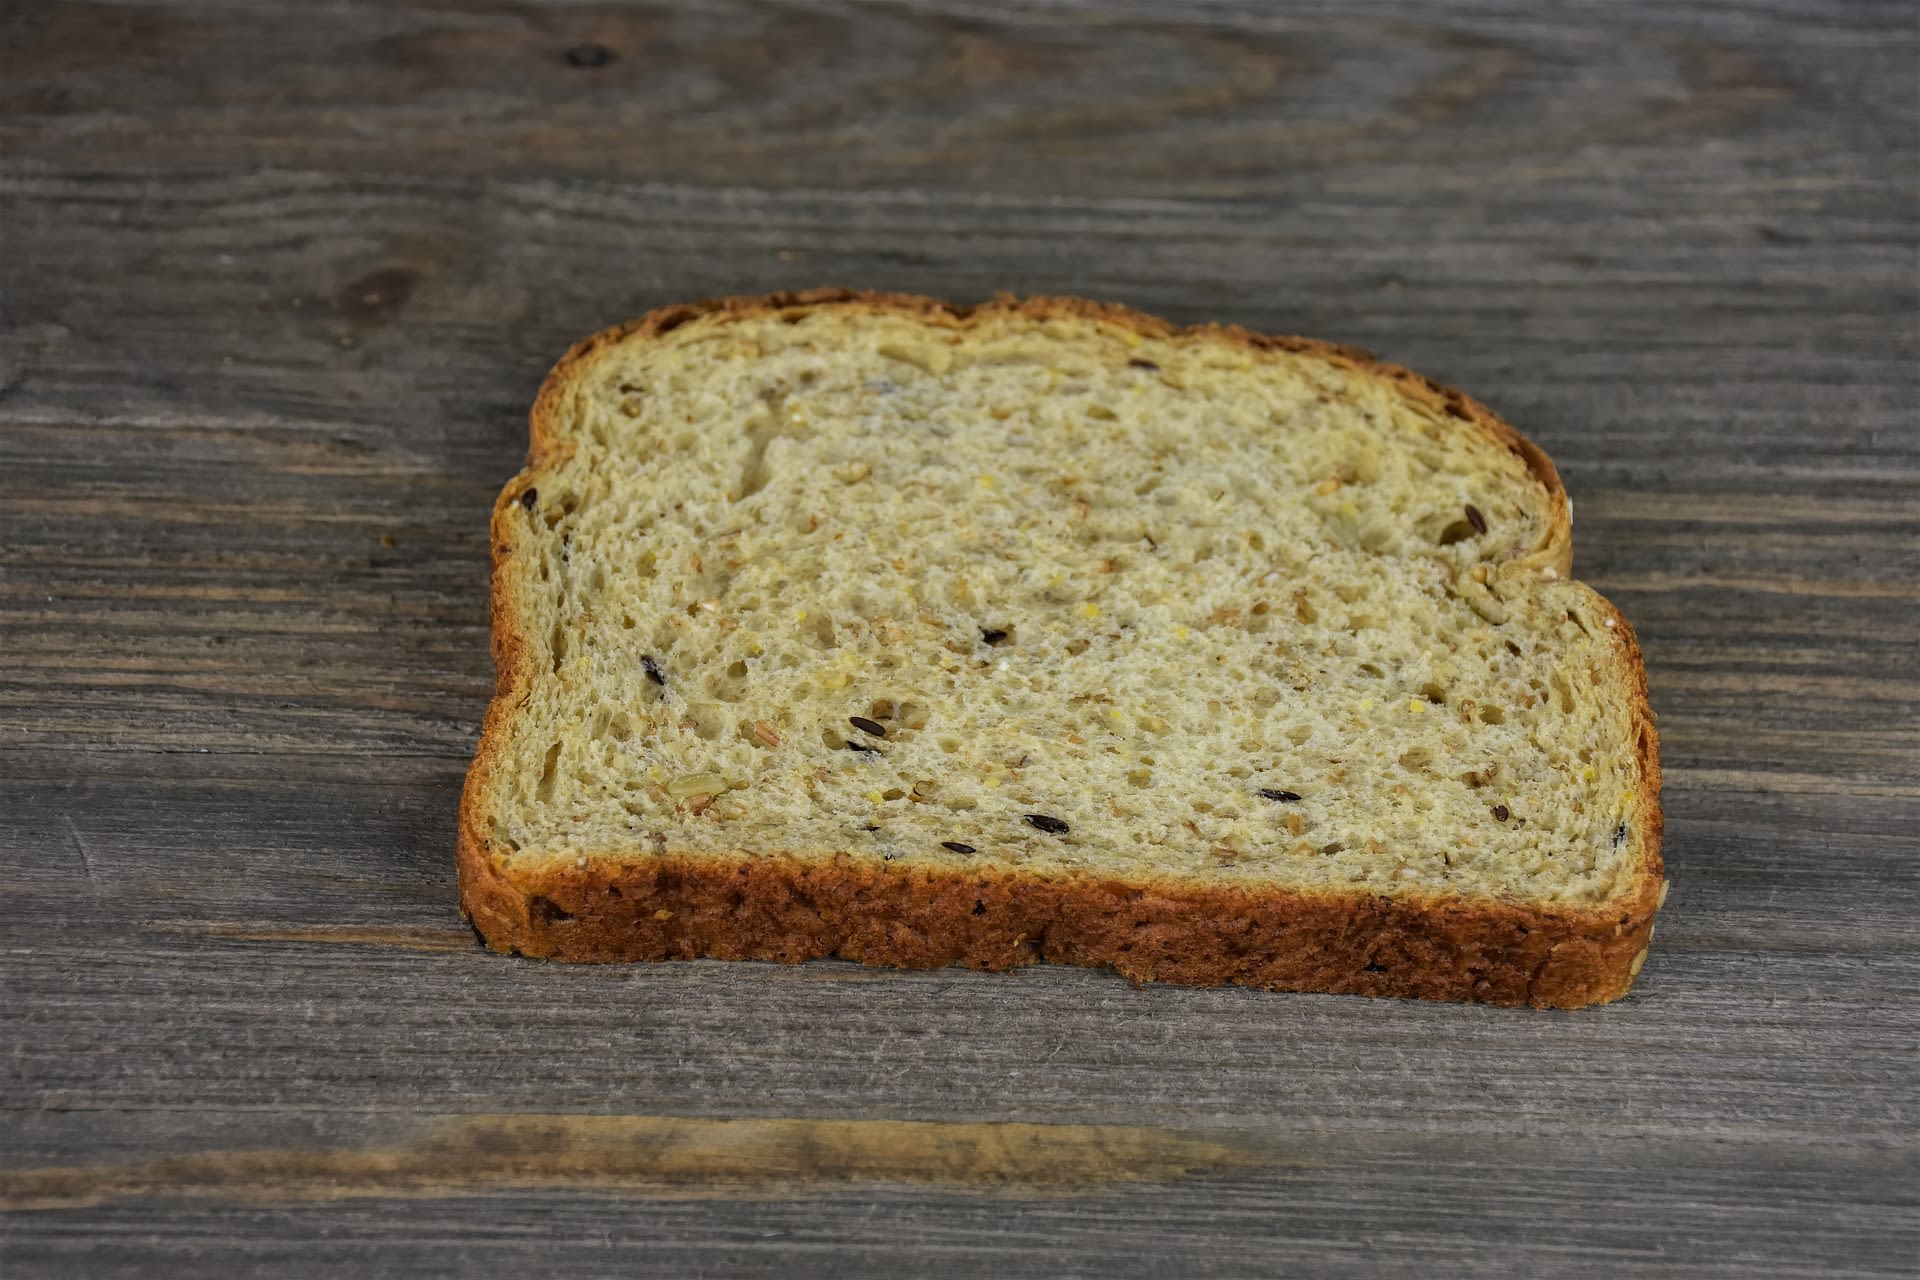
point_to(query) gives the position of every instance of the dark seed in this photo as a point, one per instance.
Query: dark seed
(992, 635)
(589, 55)
(1619, 835)
(1474, 518)
(979, 908)
(1051, 825)
(871, 826)
(956, 846)
(862, 748)
(530, 497)
(1500, 813)
(865, 725)
(653, 671)
(1148, 365)
(1285, 797)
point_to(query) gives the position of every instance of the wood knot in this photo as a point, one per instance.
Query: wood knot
(377, 295)
(589, 56)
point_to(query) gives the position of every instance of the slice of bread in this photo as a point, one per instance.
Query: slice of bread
(865, 625)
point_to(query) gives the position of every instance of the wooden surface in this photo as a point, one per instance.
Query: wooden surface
(277, 284)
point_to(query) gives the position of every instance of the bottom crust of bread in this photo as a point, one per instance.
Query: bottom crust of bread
(788, 909)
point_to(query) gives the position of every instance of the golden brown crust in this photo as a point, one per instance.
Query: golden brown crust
(780, 906)
(787, 908)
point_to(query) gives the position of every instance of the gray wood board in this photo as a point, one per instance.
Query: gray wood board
(276, 289)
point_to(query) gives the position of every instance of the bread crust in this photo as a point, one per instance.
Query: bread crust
(781, 905)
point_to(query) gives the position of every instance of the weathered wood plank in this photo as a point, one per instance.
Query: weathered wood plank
(275, 293)
(1342, 1210)
(1226, 100)
(232, 1024)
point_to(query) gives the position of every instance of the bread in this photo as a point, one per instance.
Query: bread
(866, 625)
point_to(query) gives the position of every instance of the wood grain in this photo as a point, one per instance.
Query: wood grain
(276, 290)
(654, 1156)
